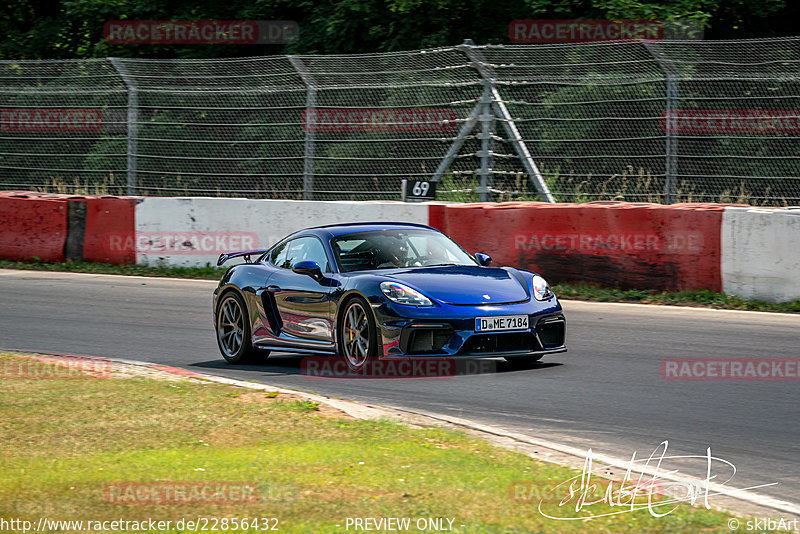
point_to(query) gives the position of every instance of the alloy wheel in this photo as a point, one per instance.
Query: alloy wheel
(230, 327)
(356, 336)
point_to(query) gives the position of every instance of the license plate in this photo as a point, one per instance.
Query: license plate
(495, 324)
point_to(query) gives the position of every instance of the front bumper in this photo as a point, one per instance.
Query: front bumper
(449, 331)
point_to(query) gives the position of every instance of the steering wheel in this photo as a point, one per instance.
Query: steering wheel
(419, 261)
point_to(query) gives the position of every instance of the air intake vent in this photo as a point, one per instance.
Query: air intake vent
(551, 332)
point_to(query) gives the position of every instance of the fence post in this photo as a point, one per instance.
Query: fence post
(515, 137)
(311, 103)
(671, 161)
(132, 123)
(458, 142)
(485, 154)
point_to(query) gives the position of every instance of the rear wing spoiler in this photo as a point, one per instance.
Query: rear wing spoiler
(246, 253)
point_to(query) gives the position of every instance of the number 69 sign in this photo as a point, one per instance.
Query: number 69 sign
(418, 191)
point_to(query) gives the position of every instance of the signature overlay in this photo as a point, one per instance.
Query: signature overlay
(651, 491)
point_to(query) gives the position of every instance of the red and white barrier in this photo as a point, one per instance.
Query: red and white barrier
(617, 244)
(752, 252)
(32, 228)
(106, 217)
(55, 228)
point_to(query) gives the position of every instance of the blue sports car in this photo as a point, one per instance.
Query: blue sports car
(369, 290)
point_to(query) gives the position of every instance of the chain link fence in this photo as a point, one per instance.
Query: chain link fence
(668, 121)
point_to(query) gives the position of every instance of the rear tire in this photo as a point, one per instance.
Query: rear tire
(233, 331)
(358, 337)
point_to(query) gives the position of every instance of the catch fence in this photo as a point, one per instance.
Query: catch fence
(656, 121)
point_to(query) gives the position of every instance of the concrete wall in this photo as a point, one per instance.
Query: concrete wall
(195, 231)
(761, 253)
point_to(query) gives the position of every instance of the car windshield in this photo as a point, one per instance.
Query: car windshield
(390, 249)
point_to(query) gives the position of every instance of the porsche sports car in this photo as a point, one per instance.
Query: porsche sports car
(368, 290)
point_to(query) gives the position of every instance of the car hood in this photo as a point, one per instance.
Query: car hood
(464, 284)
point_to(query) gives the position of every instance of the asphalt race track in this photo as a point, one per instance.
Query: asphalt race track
(605, 393)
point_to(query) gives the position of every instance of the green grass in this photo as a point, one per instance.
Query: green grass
(62, 442)
(701, 298)
(207, 272)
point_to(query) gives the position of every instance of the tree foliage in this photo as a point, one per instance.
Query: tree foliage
(66, 29)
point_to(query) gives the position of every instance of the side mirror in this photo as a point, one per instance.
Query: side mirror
(310, 268)
(483, 259)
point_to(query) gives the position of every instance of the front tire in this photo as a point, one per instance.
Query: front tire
(358, 338)
(233, 331)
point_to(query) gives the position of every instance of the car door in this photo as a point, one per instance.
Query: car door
(302, 303)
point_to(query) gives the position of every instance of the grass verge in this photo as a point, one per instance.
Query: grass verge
(702, 298)
(101, 447)
(207, 272)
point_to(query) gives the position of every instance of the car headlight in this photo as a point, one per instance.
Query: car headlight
(402, 294)
(541, 291)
